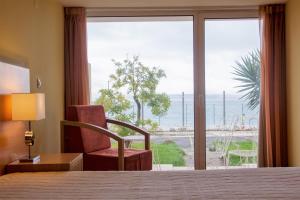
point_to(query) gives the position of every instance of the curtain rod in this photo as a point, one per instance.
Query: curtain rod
(119, 11)
(206, 8)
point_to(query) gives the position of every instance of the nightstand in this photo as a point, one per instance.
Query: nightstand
(48, 163)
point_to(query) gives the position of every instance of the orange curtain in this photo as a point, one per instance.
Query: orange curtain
(273, 117)
(76, 64)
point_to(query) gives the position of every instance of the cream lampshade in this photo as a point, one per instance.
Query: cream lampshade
(28, 107)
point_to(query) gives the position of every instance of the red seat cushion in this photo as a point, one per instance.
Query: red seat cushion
(107, 160)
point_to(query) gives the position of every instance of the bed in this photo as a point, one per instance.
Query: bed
(280, 183)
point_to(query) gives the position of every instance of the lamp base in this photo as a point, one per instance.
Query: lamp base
(31, 159)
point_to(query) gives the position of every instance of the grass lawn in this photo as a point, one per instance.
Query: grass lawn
(237, 145)
(167, 152)
(242, 145)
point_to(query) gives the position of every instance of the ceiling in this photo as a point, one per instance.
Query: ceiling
(164, 3)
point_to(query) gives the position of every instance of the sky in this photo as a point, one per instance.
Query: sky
(169, 46)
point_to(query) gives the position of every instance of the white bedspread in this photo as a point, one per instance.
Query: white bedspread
(280, 183)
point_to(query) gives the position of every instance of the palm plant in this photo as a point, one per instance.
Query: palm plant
(247, 72)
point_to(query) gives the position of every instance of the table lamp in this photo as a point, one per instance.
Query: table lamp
(28, 107)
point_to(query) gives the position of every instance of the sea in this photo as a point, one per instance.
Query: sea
(181, 115)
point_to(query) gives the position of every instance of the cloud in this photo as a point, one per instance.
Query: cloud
(232, 34)
(169, 45)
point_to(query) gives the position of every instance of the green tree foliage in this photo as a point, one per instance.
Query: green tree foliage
(116, 105)
(247, 72)
(114, 102)
(160, 105)
(140, 82)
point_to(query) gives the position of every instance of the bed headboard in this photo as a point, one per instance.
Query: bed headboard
(13, 79)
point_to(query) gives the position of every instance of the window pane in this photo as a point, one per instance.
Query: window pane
(232, 66)
(156, 54)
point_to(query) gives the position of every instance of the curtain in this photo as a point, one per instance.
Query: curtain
(76, 64)
(273, 116)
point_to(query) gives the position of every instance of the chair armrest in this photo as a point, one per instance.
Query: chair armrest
(98, 129)
(133, 127)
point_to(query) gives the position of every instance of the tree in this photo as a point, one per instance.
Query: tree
(247, 72)
(160, 105)
(141, 82)
(116, 105)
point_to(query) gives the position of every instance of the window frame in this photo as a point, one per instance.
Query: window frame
(199, 14)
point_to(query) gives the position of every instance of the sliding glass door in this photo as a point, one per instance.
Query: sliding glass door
(190, 77)
(232, 83)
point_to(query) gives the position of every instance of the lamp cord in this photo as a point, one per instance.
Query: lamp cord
(29, 153)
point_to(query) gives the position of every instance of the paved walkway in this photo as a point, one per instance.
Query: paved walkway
(209, 134)
(169, 167)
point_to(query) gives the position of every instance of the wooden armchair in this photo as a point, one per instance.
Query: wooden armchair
(85, 131)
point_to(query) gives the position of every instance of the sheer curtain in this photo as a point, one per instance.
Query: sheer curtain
(273, 117)
(76, 64)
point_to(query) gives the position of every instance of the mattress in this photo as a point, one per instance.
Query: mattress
(280, 183)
